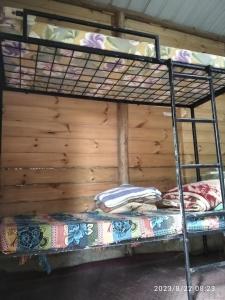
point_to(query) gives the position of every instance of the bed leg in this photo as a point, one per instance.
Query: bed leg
(129, 251)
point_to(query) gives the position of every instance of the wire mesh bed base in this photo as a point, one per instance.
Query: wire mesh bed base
(51, 68)
(44, 66)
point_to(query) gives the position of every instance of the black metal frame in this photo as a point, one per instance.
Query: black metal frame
(176, 74)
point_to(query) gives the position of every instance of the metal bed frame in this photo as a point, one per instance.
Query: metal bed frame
(209, 82)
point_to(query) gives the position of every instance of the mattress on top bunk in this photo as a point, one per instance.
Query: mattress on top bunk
(12, 23)
(62, 232)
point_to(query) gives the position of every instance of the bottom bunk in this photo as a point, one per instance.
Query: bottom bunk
(21, 235)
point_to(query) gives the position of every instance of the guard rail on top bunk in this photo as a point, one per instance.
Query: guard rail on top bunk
(167, 83)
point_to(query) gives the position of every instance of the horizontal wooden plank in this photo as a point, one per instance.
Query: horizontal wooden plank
(58, 160)
(57, 145)
(150, 135)
(204, 114)
(203, 148)
(163, 185)
(152, 174)
(203, 137)
(74, 205)
(190, 175)
(66, 116)
(50, 192)
(44, 192)
(57, 130)
(44, 160)
(79, 117)
(59, 175)
(81, 175)
(52, 102)
(204, 159)
(62, 9)
(204, 128)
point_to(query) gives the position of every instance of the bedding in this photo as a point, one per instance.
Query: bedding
(77, 231)
(134, 207)
(124, 193)
(63, 232)
(198, 196)
(12, 23)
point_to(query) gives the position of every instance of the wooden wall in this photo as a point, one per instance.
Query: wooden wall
(205, 135)
(58, 153)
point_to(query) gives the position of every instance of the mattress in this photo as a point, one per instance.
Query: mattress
(40, 28)
(64, 232)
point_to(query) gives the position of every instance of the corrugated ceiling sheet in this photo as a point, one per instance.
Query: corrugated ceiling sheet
(203, 15)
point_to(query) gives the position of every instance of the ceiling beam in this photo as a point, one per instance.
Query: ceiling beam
(145, 19)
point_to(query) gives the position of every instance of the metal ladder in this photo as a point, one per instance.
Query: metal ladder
(197, 166)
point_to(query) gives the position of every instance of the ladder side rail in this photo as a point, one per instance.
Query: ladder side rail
(179, 180)
(198, 170)
(195, 144)
(216, 135)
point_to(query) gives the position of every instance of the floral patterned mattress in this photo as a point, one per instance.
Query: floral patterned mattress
(39, 28)
(63, 232)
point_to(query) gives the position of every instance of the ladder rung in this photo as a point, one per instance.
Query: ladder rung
(191, 76)
(205, 213)
(211, 266)
(195, 120)
(191, 166)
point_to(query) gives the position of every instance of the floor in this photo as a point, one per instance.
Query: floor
(141, 277)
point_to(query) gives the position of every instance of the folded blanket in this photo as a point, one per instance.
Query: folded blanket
(199, 196)
(134, 207)
(123, 194)
(137, 202)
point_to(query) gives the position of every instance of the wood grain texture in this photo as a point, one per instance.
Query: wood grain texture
(122, 120)
(23, 176)
(205, 137)
(28, 176)
(54, 191)
(55, 149)
(55, 206)
(122, 143)
(65, 151)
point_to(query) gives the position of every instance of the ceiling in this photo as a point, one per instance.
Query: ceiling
(206, 16)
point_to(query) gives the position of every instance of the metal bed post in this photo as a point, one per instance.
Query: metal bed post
(1, 99)
(1, 113)
(217, 135)
(1, 108)
(179, 180)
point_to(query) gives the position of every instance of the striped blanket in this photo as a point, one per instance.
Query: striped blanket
(123, 194)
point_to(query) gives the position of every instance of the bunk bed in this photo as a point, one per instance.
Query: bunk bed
(38, 56)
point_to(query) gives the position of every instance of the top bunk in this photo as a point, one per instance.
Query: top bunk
(43, 53)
